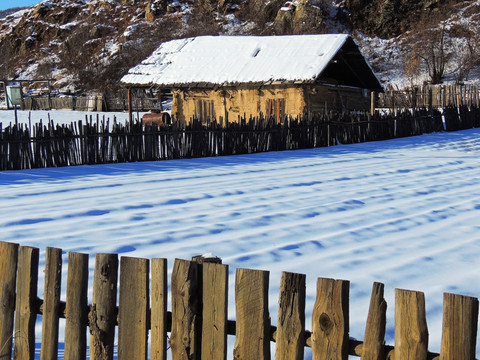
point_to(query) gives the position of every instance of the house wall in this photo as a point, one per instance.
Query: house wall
(319, 98)
(234, 102)
(277, 101)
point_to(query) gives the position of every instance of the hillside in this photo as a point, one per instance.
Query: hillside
(89, 44)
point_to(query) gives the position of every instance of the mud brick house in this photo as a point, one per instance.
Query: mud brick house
(223, 77)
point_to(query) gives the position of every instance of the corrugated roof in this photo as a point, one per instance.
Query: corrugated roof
(234, 60)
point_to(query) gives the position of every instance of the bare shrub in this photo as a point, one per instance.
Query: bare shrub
(429, 43)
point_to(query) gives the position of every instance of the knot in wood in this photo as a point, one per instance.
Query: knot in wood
(105, 271)
(325, 323)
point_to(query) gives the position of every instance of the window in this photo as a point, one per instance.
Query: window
(275, 109)
(204, 111)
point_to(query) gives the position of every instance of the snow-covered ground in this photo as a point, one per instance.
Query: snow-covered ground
(404, 212)
(7, 117)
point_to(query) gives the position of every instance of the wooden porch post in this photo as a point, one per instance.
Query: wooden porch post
(372, 103)
(130, 110)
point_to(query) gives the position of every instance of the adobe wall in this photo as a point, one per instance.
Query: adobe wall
(234, 102)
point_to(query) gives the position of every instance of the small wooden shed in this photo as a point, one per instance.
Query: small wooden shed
(223, 77)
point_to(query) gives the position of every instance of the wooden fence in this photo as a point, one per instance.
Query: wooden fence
(436, 96)
(198, 322)
(80, 103)
(97, 142)
(106, 102)
(118, 101)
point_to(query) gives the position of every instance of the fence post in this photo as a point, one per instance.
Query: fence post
(374, 341)
(330, 320)
(133, 309)
(411, 333)
(184, 337)
(103, 314)
(51, 304)
(460, 320)
(26, 303)
(214, 313)
(76, 307)
(252, 339)
(290, 334)
(8, 276)
(158, 317)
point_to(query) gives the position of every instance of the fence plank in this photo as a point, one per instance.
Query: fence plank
(76, 307)
(8, 276)
(51, 304)
(214, 315)
(158, 318)
(133, 309)
(290, 334)
(411, 333)
(103, 314)
(252, 339)
(329, 338)
(184, 337)
(459, 335)
(25, 305)
(374, 341)
(330, 318)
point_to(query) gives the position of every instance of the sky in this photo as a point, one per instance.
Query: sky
(403, 212)
(7, 4)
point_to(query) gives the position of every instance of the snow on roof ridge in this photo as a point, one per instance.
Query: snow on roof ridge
(227, 59)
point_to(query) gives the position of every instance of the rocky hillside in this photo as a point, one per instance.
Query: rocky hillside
(87, 45)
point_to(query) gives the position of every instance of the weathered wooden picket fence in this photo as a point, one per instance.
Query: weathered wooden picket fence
(105, 102)
(198, 322)
(79, 103)
(427, 96)
(97, 142)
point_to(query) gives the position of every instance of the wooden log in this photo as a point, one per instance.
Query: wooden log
(411, 333)
(26, 303)
(252, 340)
(76, 311)
(133, 309)
(374, 340)
(51, 304)
(158, 318)
(186, 307)
(214, 314)
(8, 277)
(460, 320)
(330, 318)
(103, 313)
(290, 334)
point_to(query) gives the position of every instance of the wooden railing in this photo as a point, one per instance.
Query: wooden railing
(198, 322)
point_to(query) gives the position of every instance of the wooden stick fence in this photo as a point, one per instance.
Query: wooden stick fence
(427, 96)
(99, 142)
(92, 103)
(198, 322)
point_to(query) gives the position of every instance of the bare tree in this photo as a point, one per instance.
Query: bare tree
(429, 42)
(466, 52)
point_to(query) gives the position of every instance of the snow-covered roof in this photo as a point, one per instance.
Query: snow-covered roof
(234, 60)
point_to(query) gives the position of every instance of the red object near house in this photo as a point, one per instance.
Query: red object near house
(162, 118)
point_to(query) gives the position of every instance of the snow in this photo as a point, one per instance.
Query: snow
(7, 117)
(403, 212)
(228, 60)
